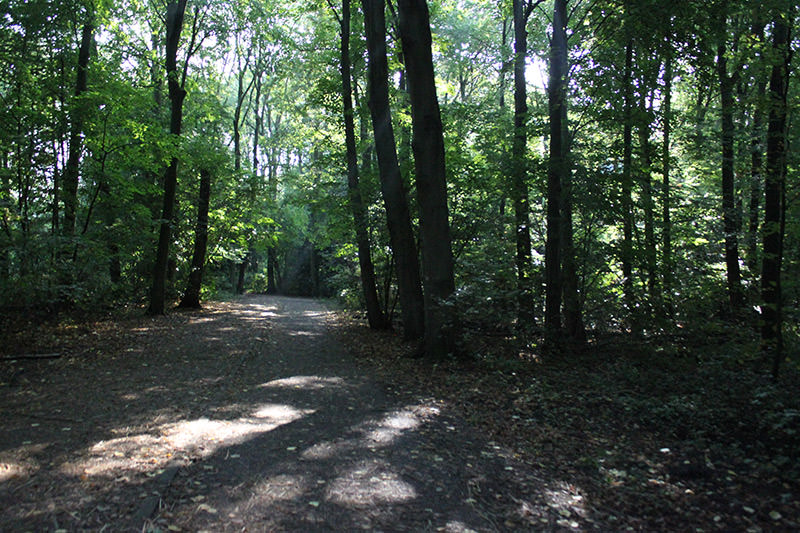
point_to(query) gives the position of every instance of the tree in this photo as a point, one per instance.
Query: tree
(627, 185)
(398, 216)
(175, 12)
(191, 297)
(375, 316)
(69, 181)
(774, 193)
(557, 167)
(428, 146)
(666, 186)
(519, 186)
(727, 82)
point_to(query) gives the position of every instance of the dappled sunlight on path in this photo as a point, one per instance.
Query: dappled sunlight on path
(250, 415)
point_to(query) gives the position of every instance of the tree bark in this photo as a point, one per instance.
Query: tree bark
(191, 298)
(774, 201)
(666, 231)
(756, 179)
(573, 315)
(70, 178)
(375, 316)
(733, 274)
(627, 188)
(398, 217)
(519, 185)
(557, 91)
(756, 157)
(428, 147)
(650, 253)
(505, 66)
(175, 12)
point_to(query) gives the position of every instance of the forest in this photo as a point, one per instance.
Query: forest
(502, 184)
(600, 166)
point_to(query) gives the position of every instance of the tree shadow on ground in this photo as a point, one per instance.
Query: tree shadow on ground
(248, 414)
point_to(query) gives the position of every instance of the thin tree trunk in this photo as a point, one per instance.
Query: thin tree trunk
(733, 274)
(573, 316)
(375, 316)
(241, 94)
(428, 147)
(506, 65)
(272, 185)
(557, 92)
(756, 177)
(70, 178)
(398, 217)
(519, 185)
(5, 203)
(771, 308)
(175, 12)
(627, 188)
(54, 207)
(650, 253)
(256, 126)
(666, 200)
(191, 298)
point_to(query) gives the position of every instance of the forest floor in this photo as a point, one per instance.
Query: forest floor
(277, 414)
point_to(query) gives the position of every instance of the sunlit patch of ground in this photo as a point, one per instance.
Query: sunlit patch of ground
(374, 433)
(282, 487)
(180, 441)
(305, 382)
(370, 482)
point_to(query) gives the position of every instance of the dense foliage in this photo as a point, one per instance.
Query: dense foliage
(671, 110)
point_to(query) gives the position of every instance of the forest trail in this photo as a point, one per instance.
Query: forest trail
(248, 415)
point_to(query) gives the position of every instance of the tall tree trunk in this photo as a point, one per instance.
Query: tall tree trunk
(774, 190)
(69, 180)
(175, 11)
(729, 218)
(375, 316)
(756, 177)
(756, 182)
(627, 188)
(519, 185)
(191, 298)
(506, 65)
(573, 319)
(272, 187)
(666, 200)
(256, 127)
(241, 94)
(557, 95)
(650, 253)
(398, 217)
(5, 203)
(428, 147)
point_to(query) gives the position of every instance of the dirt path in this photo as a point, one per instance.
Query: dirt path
(247, 416)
